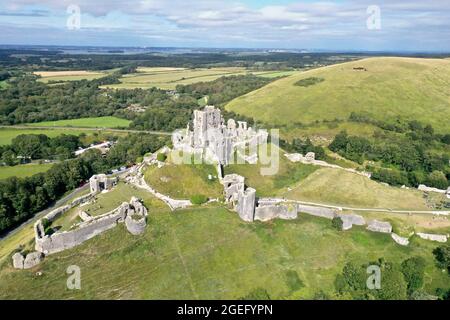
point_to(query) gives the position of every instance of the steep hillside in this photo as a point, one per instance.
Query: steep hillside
(383, 87)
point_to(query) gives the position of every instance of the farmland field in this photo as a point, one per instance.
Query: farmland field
(64, 76)
(99, 122)
(22, 171)
(169, 78)
(383, 87)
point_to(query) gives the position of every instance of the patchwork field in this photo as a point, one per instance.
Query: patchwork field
(415, 89)
(65, 76)
(169, 78)
(98, 122)
(22, 171)
(209, 253)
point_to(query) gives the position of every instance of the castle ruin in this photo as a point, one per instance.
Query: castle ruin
(101, 182)
(214, 139)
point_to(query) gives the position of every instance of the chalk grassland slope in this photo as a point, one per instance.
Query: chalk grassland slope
(22, 171)
(64, 76)
(416, 89)
(209, 253)
(98, 122)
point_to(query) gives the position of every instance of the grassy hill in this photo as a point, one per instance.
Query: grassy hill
(383, 87)
(209, 253)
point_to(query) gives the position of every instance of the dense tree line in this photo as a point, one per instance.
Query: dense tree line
(411, 160)
(33, 146)
(28, 100)
(20, 199)
(398, 281)
(414, 129)
(55, 59)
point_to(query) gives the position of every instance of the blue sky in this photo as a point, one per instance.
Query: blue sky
(304, 24)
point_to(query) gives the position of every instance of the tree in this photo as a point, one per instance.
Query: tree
(9, 158)
(413, 270)
(339, 142)
(442, 256)
(437, 179)
(199, 199)
(337, 223)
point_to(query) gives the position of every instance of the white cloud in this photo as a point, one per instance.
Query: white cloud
(207, 21)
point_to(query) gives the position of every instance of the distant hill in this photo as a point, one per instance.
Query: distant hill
(383, 87)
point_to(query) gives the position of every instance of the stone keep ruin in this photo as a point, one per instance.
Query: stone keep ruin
(216, 141)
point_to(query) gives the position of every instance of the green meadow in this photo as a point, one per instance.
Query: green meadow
(98, 122)
(22, 171)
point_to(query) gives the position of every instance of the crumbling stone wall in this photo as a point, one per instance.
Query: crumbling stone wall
(318, 211)
(57, 242)
(26, 262)
(246, 204)
(285, 212)
(379, 226)
(136, 220)
(433, 237)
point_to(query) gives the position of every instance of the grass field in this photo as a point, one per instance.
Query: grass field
(338, 187)
(209, 253)
(65, 76)
(411, 88)
(288, 174)
(22, 171)
(303, 182)
(98, 122)
(184, 181)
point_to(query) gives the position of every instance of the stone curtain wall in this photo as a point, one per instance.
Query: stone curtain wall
(57, 242)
